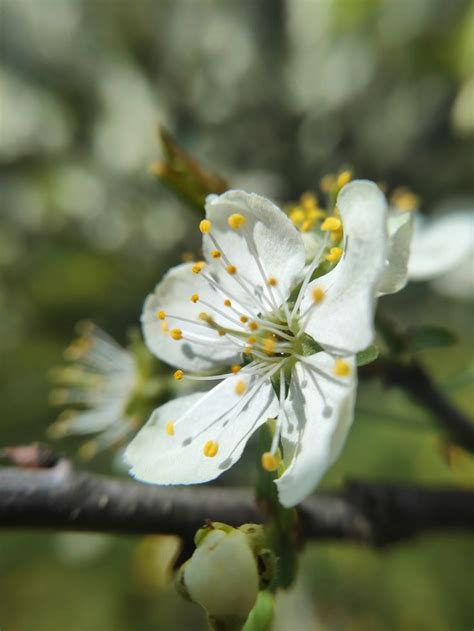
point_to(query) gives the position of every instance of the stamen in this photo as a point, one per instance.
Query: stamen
(307, 278)
(161, 315)
(235, 368)
(236, 221)
(198, 267)
(341, 368)
(334, 255)
(205, 226)
(244, 319)
(215, 254)
(164, 327)
(343, 178)
(170, 428)
(210, 449)
(178, 375)
(176, 334)
(227, 303)
(240, 387)
(194, 298)
(331, 223)
(272, 281)
(270, 462)
(318, 294)
(253, 326)
(231, 269)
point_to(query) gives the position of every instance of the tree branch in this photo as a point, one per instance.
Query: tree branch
(414, 379)
(62, 498)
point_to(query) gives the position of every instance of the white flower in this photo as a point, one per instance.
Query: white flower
(101, 378)
(254, 306)
(442, 251)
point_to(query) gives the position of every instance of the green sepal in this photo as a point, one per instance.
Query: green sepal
(261, 616)
(368, 355)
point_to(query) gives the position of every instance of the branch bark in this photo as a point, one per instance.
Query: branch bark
(62, 498)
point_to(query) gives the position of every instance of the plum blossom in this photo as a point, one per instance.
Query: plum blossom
(286, 329)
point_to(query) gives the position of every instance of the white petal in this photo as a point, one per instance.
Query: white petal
(162, 459)
(173, 295)
(312, 244)
(317, 428)
(458, 282)
(344, 318)
(267, 233)
(440, 245)
(400, 230)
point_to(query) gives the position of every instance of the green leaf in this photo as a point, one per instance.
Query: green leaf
(428, 337)
(368, 355)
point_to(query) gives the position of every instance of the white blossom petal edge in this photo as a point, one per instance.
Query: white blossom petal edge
(295, 336)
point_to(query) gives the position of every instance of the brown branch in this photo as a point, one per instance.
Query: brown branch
(62, 498)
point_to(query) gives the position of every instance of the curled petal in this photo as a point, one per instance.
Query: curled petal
(320, 412)
(264, 245)
(344, 318)
(400, 230)
(209, 439)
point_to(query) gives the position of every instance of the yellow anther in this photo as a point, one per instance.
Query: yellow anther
(227, 303)
(176, 334)
(236, 221)
(161, 315)
(270, 462)
(198, 267)
(205, 317)
(272, 281)
(194, 298)
(88, 450)
(253, 326)
(231, 269)
(247, 350)
(403, 199)
(297, 215)
(178, 375)
(221, 333)
(205, 226)
(331, 223)
(240, 387)
(307, 225)
(164, 327)
(269, 346)
(243, 319)
(252, 339)
(309, 201)
(318, 294)
(210, 449)
(216, 254)
(336, 235)
(235, 368)
(170, 428)
(328, 183)
(334, 254)
(341, 368)
(343, 178)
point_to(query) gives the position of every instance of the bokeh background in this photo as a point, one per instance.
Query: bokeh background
(272, 94)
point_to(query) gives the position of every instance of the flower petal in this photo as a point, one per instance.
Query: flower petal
(440, 245)
(317, 426)
(344, 318)
(173, 295)
(400, 230)
(220, 416)
(267, 235)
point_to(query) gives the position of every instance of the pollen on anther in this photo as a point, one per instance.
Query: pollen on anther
(318, 294)
(170, 428)
(343, 178)
(231, 269)
(341, 368)
(247, 350)
(178, 375)
(205, 226)
(252, 339)
(236, 221)
(269, 346)
(198, 267)
(210, 448)
(227, 303)
(240, 387)
(244, 319)
(205, 317)
(235, 368)
(194, 298)
(216, 254)
(176, 334)
(270, 462)
(331, 223)
(161, 315)
(272, 281)
(253, 326)
(334, 255)
(164, 327)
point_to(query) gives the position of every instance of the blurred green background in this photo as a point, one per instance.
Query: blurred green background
(272, 94)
